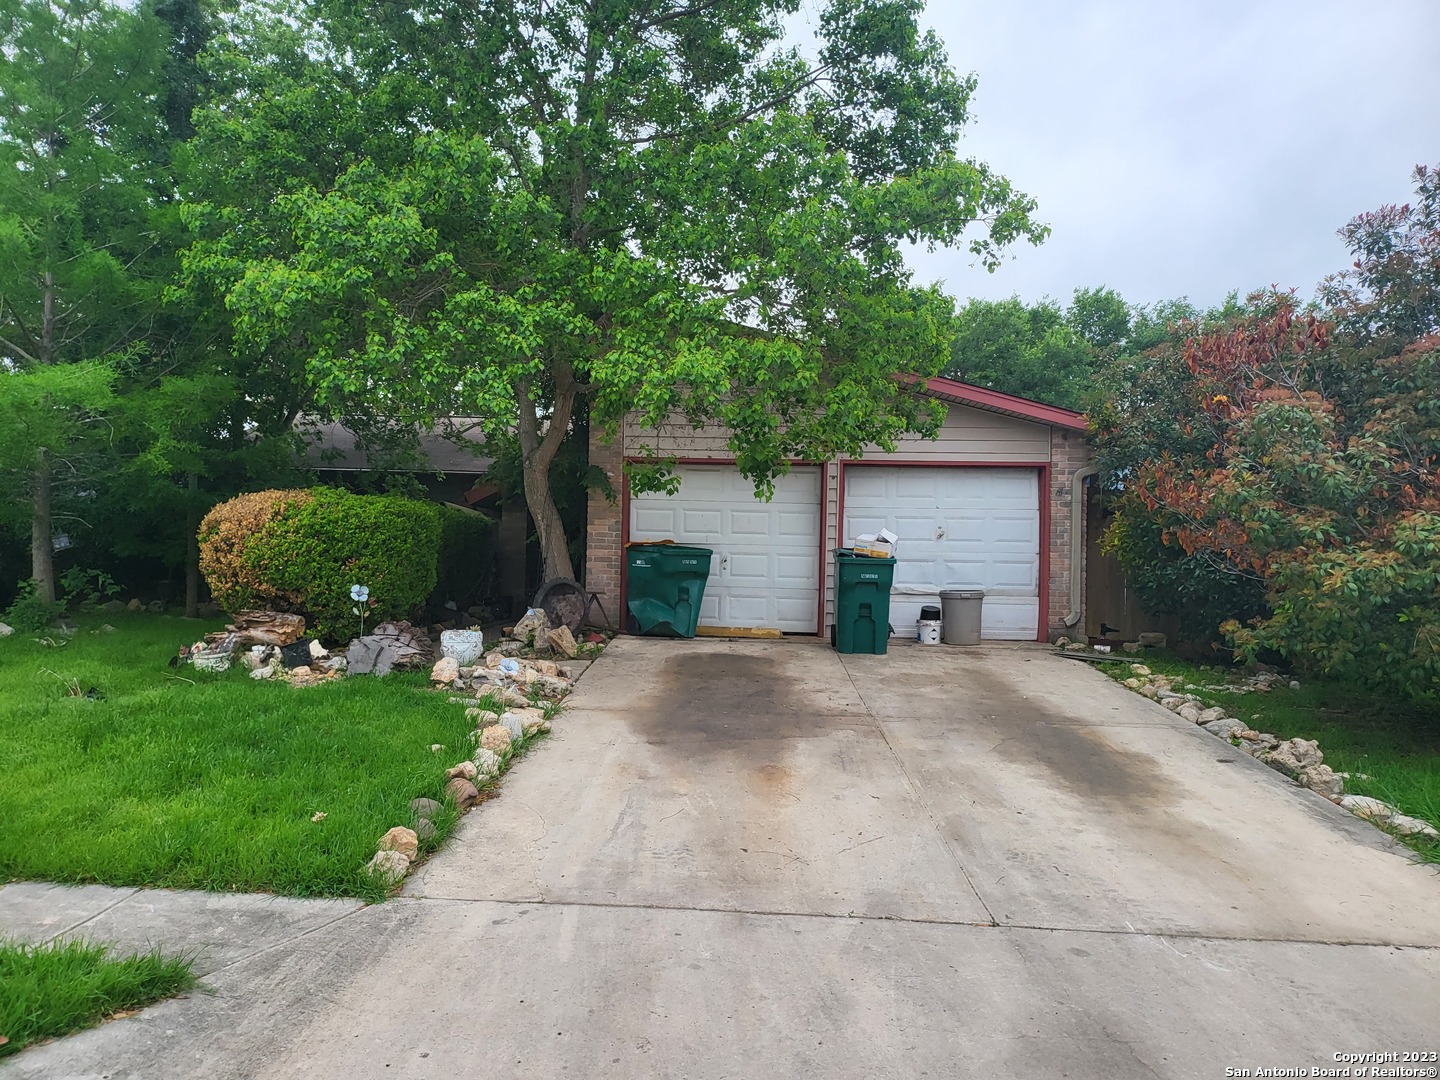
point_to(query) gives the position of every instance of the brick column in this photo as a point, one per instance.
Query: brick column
(1069, 453)
(602, 526)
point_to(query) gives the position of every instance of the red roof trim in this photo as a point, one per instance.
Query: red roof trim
(994, 399)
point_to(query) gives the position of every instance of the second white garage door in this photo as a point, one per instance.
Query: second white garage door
(958, 528)
(765, 571)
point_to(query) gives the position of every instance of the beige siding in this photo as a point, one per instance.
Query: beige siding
(677, 438)
(976, 435)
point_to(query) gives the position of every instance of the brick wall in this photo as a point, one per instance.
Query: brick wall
(602, 529)
(1069, 452)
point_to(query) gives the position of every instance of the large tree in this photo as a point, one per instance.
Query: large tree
(77, 122)
(500, 209)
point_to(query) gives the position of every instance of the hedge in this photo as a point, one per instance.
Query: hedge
(302, 550)
(463, 566)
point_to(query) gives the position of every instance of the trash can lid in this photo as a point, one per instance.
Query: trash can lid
(962, 594)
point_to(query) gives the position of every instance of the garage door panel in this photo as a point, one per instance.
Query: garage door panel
(957, 527)
(765, 571)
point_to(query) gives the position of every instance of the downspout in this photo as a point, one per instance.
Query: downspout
(1077, 540)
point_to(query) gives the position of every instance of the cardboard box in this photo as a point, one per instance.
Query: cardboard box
(879, 545)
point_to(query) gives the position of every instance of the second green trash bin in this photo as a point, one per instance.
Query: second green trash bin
(664, 586)
(862, 603)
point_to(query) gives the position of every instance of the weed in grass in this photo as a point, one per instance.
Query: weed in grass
(1390, 749)
(51, 990)
(214, 781)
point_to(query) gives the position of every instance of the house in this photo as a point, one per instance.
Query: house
(990, 503)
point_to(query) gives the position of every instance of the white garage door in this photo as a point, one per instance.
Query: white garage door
(765, 571)
(958, 528)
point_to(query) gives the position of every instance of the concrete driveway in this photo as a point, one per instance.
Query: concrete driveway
(760, 859)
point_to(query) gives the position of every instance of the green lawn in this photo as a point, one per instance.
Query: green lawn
(52, 990)
(1391, 749)
(192, 780)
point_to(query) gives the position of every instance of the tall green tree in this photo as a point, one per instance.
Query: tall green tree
(77, 112)
(1030, 350)
(500, 209)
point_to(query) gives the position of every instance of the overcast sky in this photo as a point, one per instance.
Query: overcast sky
(1191, 147)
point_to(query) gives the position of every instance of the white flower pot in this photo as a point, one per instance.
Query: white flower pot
(465, 647)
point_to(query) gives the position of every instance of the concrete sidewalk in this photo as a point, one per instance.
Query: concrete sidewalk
(760, 859)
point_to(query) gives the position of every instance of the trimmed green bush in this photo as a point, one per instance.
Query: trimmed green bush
(301, 551)
(463, 567)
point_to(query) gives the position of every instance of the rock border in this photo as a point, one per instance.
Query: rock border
(1299, 759)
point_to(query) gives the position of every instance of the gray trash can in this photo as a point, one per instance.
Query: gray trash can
(961, 616)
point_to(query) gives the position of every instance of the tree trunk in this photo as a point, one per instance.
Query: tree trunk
(42, 545)
(537, 452)
(192, 554)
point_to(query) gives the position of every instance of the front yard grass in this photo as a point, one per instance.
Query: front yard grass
(187, 779)
(1390, 749)
(51, 990)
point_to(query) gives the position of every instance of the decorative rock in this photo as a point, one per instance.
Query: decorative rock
(301, 672)
(545, 667)
(263, 673)
(1322, 778)
(1132, 684)
(1225, 728)
(337, 664)
(533, 623)
(507, 696)
(446, 670)
(135, 605)
(1152, 640)
(424, 808)
(479, 715)
(1149, 691)
(464, 770)
(552, 687)
(495, 738)
(1132, 647)
(1139, 669)
(1295, 755)
(6, 629)
(1173, 702)
(487, 763)
(318, 651)
(513, 724)
(389, 866)
(1189, 711)
(1077, 646)
(1411, 826)
(1062, 642)
(436, 747)
(563, 642)
(463, 792)
(1209, 716)
(424, 829)
(402, 840)
(1368, 808)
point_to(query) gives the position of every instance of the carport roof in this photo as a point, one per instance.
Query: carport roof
(980, 397)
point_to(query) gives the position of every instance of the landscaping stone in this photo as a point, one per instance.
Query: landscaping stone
(424, 829)
(265, 628)
(1412, 826)
(402, 840)
(1322, 778)
(1188, 710)
(463, 792)
(337, 664)
(266, 672)
(318, 651)
(486, 762)
(1368, 808)
(1209, 716)
(1149, 691)
(6, 629)
(1132, 684)
(296, 654)
(1173, 702)
(389, 866)
(563, 642)
(1132, 647)
(1225, 727)
(135, 605)
(552, 687)
(495, 738)
(464, 770)
(426, 807)
(533, 623)
(479, 715)
(111, 606)
(513, 724)
(1294, 756)
(1152, 640)
(1139, 669)
(446, 669)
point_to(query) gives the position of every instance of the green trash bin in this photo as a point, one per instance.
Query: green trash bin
(862, 603)
(664, 586)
